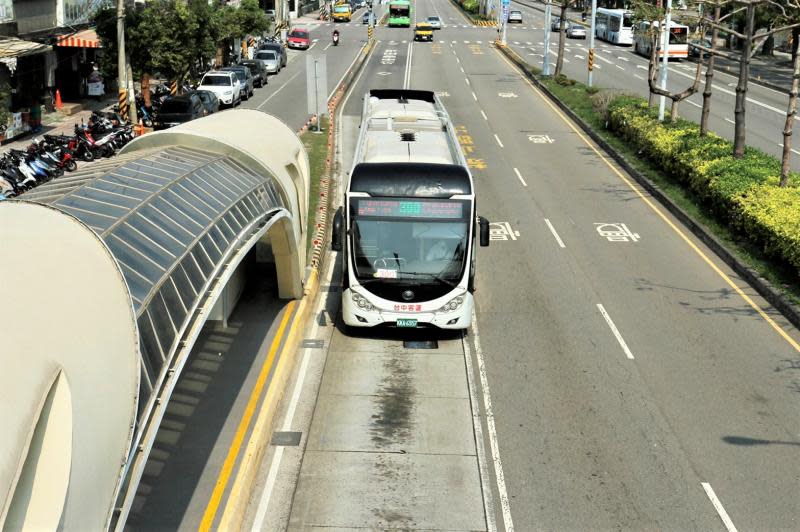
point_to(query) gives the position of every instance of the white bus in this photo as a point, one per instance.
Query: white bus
(678, 47)
(406, 231)
(614, 26)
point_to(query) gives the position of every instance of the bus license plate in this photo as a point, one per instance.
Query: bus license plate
(406, 323)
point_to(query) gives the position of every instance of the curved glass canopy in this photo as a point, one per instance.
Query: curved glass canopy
(170, 217)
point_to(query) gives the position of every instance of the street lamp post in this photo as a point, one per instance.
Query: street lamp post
(665, 60)
(591, 40)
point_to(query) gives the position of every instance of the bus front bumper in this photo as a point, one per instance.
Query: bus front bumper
(355, 316)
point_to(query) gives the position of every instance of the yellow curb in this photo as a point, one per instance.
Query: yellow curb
(239, 499)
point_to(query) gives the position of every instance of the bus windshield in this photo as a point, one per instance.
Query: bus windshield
(417, 240)
(397, 11)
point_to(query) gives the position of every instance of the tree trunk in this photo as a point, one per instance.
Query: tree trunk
(562, 37)
(652, 67)
(146, 90)
(739, 134)
(709, 77)
(791, 112)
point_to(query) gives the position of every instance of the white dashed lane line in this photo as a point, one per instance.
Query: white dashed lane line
(495, 135)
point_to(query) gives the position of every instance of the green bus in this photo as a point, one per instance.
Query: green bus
(400, 13)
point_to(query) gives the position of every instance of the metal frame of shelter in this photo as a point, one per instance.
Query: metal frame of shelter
(179, 217)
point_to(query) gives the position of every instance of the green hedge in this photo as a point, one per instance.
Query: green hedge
(742, 193)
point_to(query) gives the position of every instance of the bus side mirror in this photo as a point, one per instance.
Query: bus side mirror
(338, 226)
(484, 226)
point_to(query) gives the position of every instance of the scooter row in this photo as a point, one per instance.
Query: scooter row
(50, 157)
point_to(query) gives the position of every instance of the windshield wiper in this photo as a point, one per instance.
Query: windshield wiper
(434, 276)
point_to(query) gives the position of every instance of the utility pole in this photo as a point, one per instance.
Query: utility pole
(504, 14)
(122, 67)
(591, 41)
(665, 60)
(548, 11)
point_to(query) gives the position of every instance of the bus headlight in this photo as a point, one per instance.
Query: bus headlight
(453, 304)
(362, 302)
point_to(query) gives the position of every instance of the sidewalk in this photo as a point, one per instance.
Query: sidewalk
(57, 123)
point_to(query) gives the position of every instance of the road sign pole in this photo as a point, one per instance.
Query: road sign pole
(504, 20)
(591, 40)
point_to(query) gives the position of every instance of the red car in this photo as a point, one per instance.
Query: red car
(298, 39)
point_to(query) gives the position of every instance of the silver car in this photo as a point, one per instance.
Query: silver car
(270, 60)
(576, 31)
(515, 16)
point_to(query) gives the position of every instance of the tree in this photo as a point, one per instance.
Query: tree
(655, 18)
(564, 4)
(750, 42)
(794, 11)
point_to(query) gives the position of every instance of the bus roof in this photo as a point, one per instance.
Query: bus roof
(406, 126)
(614, 11)
(411, 180)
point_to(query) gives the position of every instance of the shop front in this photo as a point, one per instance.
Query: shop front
(24, 72)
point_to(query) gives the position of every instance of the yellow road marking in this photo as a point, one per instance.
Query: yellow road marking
(658, 211)
(244, 425)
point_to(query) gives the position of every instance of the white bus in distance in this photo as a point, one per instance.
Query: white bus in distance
(407, 229)
(678, 47)
(614, 26)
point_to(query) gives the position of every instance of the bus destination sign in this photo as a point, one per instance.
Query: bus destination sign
(410, 208)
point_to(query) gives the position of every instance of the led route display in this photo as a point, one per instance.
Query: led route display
(386, 208)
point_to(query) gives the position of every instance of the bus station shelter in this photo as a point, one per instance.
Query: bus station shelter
(108, 276)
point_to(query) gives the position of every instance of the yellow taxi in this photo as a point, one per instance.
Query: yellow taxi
(423, 32)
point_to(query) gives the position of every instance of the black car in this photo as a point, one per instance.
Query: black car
(245, 78)
(258, 70)
(210, 101)
(179, 109)
(278, 48)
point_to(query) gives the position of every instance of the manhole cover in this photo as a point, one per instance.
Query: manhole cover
(286, 439)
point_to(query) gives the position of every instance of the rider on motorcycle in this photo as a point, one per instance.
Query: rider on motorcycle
(335, 37)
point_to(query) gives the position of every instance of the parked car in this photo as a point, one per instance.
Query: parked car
(576, 31)
(358, 4)
(365, 17)
(224, 84)
(258, 69)
(694, 51)
(555, 24)
(179, 109)
(270, 60)
(270, 14)
(515, 16)
(298, 39)
(210, 101)
(278, 48)
(245, 78)
(435, 22)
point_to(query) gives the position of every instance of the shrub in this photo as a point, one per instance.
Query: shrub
(742, 193)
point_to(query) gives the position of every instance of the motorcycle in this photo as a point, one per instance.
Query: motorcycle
(335, 37)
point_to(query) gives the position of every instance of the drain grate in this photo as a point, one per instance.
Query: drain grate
(313, 344)
(286, 439)
(421, 344)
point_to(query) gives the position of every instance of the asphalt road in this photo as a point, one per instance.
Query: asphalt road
(619, 67)
(593, 434)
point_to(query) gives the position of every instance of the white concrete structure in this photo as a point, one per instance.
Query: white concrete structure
(108, 275)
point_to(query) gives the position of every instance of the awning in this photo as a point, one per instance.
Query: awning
(82, 39)
(13, 47)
